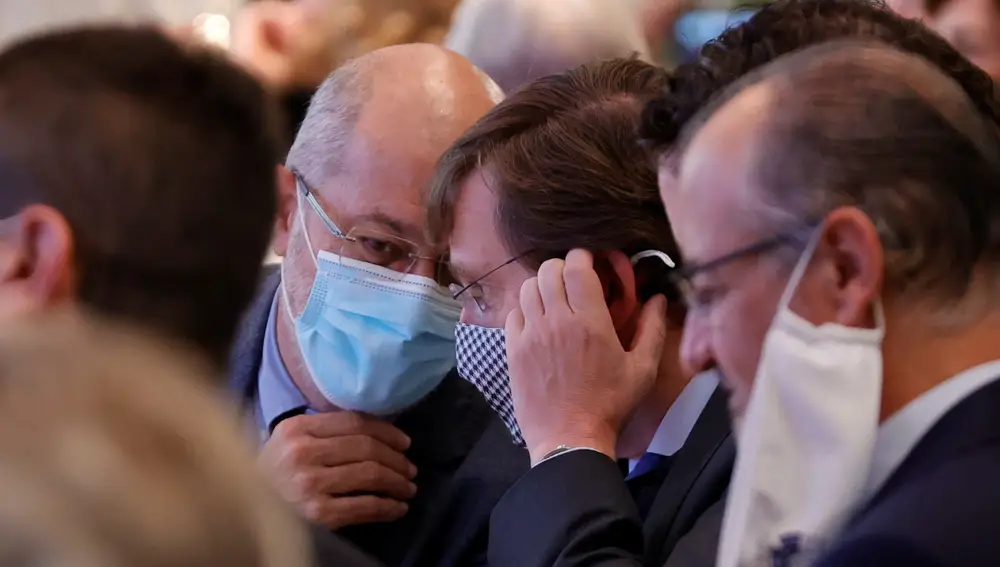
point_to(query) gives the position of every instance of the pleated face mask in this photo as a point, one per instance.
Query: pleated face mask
(806, 440)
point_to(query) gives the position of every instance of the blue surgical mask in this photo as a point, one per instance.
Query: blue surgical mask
(374, 340)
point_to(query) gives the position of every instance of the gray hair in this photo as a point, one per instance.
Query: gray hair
(516, 41)
(860, 124)
(326, 130)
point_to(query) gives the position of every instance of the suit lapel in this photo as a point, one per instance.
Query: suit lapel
(457, 531)
(707, 440)
(443, 428)
(244, 360)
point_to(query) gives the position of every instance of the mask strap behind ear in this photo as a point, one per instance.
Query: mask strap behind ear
(653, 254)
(305, 230)
(800, 267)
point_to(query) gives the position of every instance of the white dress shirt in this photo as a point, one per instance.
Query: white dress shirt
(679, 421)
(899, 434)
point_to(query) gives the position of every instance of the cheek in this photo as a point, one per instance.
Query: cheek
(500, 304)
(738, 337)
(297, 275)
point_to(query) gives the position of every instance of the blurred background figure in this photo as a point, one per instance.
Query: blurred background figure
(288, 46)
(972, 26)
(516, 41)
(292, 45)
(133, 461)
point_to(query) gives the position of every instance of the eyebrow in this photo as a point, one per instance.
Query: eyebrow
(398, 227)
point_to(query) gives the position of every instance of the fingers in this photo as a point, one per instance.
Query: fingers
(651, 331)
(583, 286)
(356, 477)
(342, 424)
(531, 299)
(358, 449)
(336, 513)
(514, 325)
(552, 288)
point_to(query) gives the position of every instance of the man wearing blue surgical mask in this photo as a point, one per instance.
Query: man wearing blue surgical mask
(345, 360)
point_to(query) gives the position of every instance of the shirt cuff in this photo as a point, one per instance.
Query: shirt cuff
(563, 451)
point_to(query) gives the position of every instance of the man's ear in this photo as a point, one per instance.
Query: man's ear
(852, 242)
(288, 207)
(620, 293)
(37, 263)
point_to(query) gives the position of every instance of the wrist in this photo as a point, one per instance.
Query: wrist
(603, 442)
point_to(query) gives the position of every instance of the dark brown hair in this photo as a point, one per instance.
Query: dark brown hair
(563, 159)
(161, 158)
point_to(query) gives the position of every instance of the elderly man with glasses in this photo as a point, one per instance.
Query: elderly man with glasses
(346, 360)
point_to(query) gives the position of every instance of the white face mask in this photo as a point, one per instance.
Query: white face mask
(806, 440)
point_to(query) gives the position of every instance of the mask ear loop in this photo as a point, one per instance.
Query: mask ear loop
(301, 220)
(800, 268)
(653, 254)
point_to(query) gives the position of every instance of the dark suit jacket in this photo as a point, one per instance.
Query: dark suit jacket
(463, 466)
(576, 510)
(941, 508)
(331, 549)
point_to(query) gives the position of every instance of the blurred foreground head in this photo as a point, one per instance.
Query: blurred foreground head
(138, 180)
(101, 469)
(517, 41)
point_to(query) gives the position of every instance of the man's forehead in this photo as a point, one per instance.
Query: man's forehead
(474, 241)
(714, 179)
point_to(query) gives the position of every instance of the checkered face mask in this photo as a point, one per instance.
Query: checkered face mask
(482, 360)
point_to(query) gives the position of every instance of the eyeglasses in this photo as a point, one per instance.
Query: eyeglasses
(682, 278)
(369, 243)
(473, 293)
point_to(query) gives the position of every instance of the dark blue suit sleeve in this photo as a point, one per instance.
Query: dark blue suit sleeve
(571, 511)
(878, 551)
(330, 550)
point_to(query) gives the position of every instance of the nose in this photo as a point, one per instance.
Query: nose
(696, 351)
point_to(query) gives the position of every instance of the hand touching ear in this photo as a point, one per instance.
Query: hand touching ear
(572, 381)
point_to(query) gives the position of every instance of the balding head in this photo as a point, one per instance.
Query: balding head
(861, 124)
(880, 161)
(425, 95)
(368, 147)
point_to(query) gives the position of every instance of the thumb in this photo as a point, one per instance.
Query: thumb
(647, 345)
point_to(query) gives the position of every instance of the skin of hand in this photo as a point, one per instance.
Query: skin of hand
(572, 381)
(341, 468)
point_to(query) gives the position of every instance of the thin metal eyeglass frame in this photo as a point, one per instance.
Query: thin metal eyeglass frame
(466, 288)
(685, 273)
(332, 226)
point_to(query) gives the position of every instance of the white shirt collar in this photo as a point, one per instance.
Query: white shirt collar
(679, 421)
(899, 434)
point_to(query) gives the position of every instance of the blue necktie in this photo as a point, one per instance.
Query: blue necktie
(645, 480)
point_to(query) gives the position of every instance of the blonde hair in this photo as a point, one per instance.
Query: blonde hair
(114, 452)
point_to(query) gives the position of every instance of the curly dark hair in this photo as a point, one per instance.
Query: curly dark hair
(790, 25)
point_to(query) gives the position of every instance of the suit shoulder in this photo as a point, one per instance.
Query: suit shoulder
(948, 511)
(880, 551)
